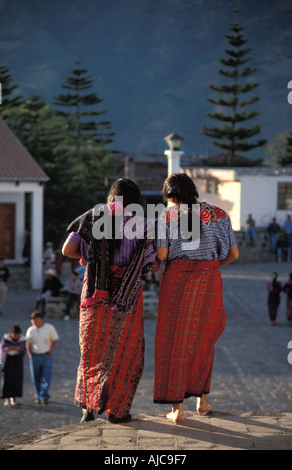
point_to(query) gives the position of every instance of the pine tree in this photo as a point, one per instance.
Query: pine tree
(287, 158)
(40, 129)
(10, 100)
(78, 100)
(232, 136)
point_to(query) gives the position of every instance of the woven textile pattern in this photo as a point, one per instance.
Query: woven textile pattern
(191, 317)
(112, 354)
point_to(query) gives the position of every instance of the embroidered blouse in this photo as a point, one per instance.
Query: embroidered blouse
(215, 240)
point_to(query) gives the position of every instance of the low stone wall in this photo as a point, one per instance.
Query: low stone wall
(259, 251)
(55, 308)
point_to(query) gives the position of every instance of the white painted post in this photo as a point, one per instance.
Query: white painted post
(173, 157)
(36, 266)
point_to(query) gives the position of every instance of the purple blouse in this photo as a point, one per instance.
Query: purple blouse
(7, 342)
(121, 258)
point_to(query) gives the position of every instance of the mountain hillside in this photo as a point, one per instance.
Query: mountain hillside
(152, 60)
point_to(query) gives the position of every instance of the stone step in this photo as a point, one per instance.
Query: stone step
(19, 276)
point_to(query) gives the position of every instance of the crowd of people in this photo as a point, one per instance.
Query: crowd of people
(40, 339)
(280, 236)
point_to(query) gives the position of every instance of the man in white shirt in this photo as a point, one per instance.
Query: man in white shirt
(41, 341)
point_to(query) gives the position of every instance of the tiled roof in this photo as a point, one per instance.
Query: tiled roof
(223, 159)
(16, 163)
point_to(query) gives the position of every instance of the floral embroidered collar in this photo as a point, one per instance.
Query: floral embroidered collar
(208, 213)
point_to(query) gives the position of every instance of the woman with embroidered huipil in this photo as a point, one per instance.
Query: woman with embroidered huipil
(191, 314)
(111, 325)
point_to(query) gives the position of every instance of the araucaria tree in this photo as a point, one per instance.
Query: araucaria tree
(10, 99)
(85, 140)
(78, 106)
(232, 99)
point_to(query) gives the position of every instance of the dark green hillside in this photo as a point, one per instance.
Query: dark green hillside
(152, 60)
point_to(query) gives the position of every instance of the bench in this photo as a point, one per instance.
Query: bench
(56, 306)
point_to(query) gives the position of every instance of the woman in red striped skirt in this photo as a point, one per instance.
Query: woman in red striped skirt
(191, 314)
(111, 325)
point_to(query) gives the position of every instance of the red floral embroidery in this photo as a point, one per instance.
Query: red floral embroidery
(210, 213)
(172, 214)
(205, 216)
(219, 212)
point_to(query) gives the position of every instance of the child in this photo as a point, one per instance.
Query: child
(13, 348)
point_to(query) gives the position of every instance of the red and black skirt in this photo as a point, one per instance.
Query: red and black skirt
(191, 317)
(112, 355)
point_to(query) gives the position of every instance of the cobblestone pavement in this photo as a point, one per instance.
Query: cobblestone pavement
(251, 369)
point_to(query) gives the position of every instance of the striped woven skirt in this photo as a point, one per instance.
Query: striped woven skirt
(111, 355)
(191, 317)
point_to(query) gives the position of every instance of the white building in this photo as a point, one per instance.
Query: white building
(21, 178)
(261, 191)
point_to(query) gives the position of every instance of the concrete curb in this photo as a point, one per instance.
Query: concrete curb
(218, 431)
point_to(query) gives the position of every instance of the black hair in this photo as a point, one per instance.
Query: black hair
(127, 189)
(275, 277)
(15, 328)
(182, 188)
(131, 194)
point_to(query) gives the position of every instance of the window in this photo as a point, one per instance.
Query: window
(209, 186)
(212, 186)
(284, 196)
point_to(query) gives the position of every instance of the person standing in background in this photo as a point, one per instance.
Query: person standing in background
(274, 230)
(41, 340)
(73, 288)
(274, 288)
(4, 278)
(287, 288)
(288, 235)
(250, 228)
(12, 352)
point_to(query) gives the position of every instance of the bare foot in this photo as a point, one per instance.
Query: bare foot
(202, 405)
(176, 413)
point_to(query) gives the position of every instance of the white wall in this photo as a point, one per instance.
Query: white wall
(259, 196)
(10, 192)
(244, 191)
(228, 195)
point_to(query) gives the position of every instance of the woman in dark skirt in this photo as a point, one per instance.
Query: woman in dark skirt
(274, 288)
(12, 351)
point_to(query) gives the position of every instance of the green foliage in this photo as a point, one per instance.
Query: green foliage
(70, 149)
(231, 136)
(10, 99)
(286, 159)
(80, 103)
(275, 150)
